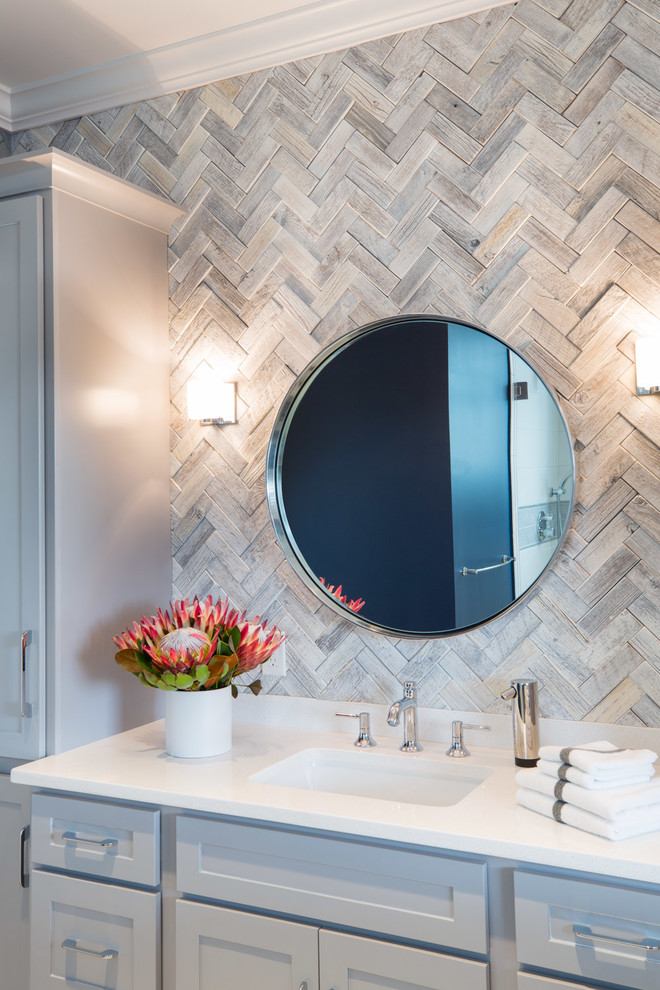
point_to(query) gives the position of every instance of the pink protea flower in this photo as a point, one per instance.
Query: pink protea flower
(181, 649)
(196, 646)
(355, 604)
(257, 644)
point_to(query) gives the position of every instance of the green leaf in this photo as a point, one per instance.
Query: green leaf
(127, 660)
(183, 682)
(235, 636)
(234, 691)
(151, 679)
(165, 687)
(218, 667)
(169, 677)
(202, 673)
(142, 679)
(255, 687)
(146, 663)
(224, 650)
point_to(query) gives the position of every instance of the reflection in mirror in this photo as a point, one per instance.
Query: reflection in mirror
(419, 476)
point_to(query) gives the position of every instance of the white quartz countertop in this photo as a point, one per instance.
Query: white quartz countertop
(133, 766)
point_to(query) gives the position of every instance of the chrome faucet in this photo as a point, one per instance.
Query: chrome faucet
(407, 705)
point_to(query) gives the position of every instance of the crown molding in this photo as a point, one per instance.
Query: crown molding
(55, 169)
(328, 25)
(5, 108)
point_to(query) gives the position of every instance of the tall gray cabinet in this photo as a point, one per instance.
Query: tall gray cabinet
(22, 495)
(84, 479)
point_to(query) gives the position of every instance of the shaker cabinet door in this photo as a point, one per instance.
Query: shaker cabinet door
(22, 720)
(221, 949)
(349, 962)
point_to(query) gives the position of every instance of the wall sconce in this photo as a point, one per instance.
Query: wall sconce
(647, 361)
(211, 400)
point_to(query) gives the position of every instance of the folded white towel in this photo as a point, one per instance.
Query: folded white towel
(602, 760)
(627, 826)
(608, 803)
(564, 771)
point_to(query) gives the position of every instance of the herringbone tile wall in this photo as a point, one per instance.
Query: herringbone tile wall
(502, 168)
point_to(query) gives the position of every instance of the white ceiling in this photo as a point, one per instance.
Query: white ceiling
(62, 58)
(41, 39)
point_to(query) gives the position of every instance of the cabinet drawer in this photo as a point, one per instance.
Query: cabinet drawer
(112, 841)
(93, 934)
(406, 894)
(551, 912)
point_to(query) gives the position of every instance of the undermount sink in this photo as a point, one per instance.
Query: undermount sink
(385, 776)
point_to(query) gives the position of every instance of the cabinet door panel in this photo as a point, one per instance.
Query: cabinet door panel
(22, 720)
(349, 962)
(220, 949)
(14, 905)
(86, 933)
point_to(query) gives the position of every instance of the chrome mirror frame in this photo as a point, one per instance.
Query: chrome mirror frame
(274, 497)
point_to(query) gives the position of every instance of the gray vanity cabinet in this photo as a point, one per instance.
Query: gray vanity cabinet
(248, 905)
(84, 406)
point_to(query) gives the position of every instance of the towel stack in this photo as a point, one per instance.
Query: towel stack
(597, 788)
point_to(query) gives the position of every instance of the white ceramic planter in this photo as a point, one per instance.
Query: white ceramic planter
(198, 723)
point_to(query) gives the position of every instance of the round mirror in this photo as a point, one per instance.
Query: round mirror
(419, 476)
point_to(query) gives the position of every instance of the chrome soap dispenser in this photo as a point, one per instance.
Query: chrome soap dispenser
(524, 695)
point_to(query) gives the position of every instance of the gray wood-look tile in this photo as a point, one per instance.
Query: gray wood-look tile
(503, 168)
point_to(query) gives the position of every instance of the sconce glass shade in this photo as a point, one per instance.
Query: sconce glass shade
(647, 361)
(211, 400)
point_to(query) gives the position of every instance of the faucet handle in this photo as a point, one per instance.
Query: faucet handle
(458, 748)
(364, 739)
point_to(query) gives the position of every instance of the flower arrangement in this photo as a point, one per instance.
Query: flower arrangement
(355, 604)
(196, 646)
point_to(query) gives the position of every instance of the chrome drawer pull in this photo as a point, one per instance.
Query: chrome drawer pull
(649, 944)
(72, 946)
(303, 985)
(23, 872)
(480, 570)
(103, 843)
(26, 709)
